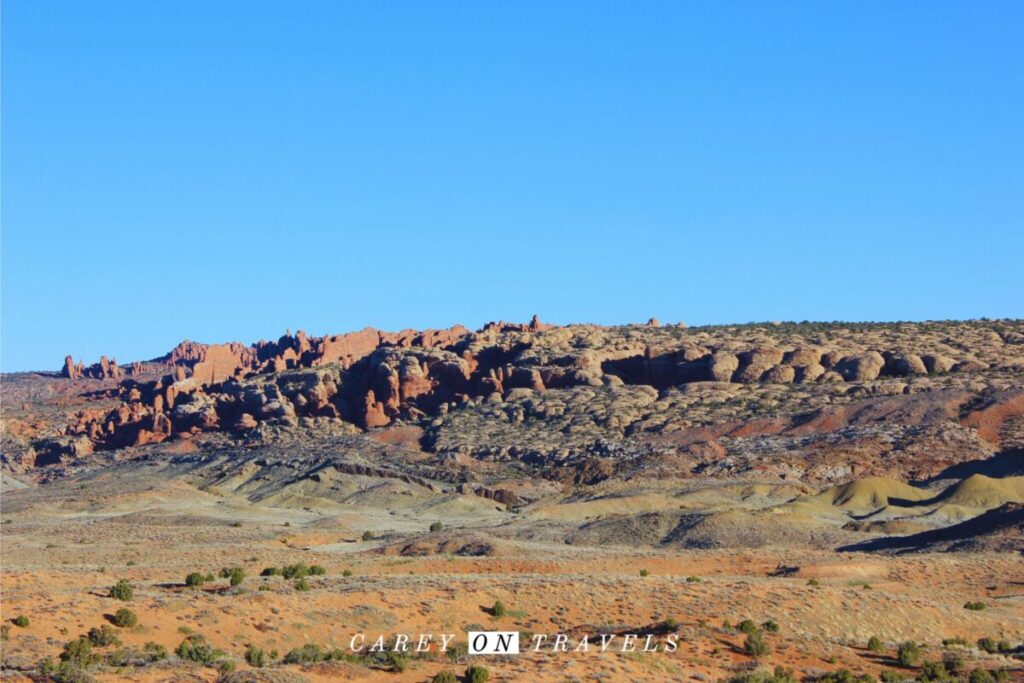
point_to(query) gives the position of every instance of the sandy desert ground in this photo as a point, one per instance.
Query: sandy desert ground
(780, 522)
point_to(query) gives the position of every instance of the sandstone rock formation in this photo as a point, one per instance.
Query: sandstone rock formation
(371, 378)
(104, 369)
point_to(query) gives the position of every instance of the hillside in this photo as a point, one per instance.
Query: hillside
(657, 479)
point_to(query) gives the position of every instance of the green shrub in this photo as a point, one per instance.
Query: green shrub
(299, 570)
(66, 672)
(670, 624)
(953, 661)
(435, 527)
(78, 652)
(195, 649)
(316, 570)
(770, 626)
(889, 676)
(755, 645)
(981, 676)
(195, 579)
(747, 626)
(693, 579)
(457, 652)
(236, 576)
(122, 656)
(254, 656)
(444, 677)
(155, 651)
(875, 644)
(813, 582)
(988, 645)
(347, 573)
(396, 661)
(908, 653)
(498, 609)
(368, 536)
(933, 672)
(778, 675)
(122, 590)
(302, 585)
(125, 618)
(974, 606)
(844, 676)
(270, 571)
(103, 636)
(307, 654)
(21, 621)
(645, 572)
(46, 666)
(477, 674)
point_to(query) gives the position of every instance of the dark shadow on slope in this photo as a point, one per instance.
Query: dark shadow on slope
(1008, 463)
(999, 530)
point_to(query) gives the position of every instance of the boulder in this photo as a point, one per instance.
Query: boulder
(802, 356)
(61, 449)
(937, 363)
(970, 365)
(830, 377)
(780, 374)
(194, 411)
(245, 421)
(861, 368)
(905, 364)
(721, 366)
(693, 353)
(830, 359)
(755, 363)
(808, 373)
(413, 380)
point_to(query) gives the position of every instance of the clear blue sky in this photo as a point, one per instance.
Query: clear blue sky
(225, 170)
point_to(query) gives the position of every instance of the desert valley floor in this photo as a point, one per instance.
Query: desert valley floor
(782, 501)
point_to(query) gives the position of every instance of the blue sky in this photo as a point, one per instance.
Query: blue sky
(223, 171)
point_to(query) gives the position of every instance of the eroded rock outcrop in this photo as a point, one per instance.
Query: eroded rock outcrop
(371, 378)
(104, 369)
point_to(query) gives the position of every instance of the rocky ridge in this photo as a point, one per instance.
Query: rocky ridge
(698, 401)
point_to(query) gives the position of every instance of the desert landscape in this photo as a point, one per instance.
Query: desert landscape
(755, 503)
